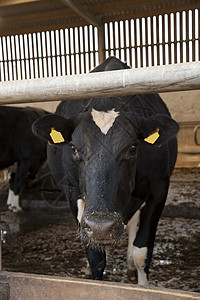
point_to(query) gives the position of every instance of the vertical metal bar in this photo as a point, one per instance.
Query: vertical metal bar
(24, 55)
(62, 52)
(17, 74)
(108, 39)
(170, 39)
(58, 46)
(70, 53)
(53, 53)
(193, 35)
(135, 35)
(146, 42)
(34, 63)
(89, 57)
(3, 62)
(160, 24)
(187, 36)
(157, 40)
(58, 51)
(29, 56)
(74, 47)
(119, 40)
(127, 41)
(198, 34)
(91, 46)
(12, 58)
(84, 50)
(163, 39)
(113, 38)
(175, 39)
(78, 55)
(37, 54)
(66, 35)
(152, 42)
(34, 57)
(55, 67)
(5, 53)
(181, 37)
(20, 56)
(41, 56)
(124, 36)
(94, 46)
(141, 43)
(65, 53)
(47, 54)
(130, 48)
(9, 70)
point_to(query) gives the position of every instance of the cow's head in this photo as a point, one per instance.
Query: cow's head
(104, 146)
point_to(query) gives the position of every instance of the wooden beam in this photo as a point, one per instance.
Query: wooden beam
(84, 13)
(31, 286)
(101, 43)
(180, 77)
(15, 2)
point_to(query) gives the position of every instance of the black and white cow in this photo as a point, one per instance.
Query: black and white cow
(19, 145)
(113, 157)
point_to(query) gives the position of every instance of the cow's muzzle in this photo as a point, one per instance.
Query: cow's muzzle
(101, 229)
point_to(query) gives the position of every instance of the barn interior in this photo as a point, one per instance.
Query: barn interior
(51, 38)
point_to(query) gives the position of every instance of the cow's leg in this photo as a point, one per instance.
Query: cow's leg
(145, 237)
(23, 169)
(13, 198)
(15, 183)
(132, 228)
(97, 261)
(13, 202)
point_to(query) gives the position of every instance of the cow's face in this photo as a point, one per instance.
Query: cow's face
(104, 148)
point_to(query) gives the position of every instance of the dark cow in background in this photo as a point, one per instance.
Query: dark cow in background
(19, 145)
(113, 157)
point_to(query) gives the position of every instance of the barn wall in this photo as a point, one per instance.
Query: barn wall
(184, 106)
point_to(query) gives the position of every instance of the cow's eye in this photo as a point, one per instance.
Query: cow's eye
(132, 150)
(75, 151)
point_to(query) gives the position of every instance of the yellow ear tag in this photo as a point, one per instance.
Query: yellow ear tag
(56, 136)
(151, 139)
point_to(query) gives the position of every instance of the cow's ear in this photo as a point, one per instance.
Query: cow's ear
(54, 129)
(158, 129)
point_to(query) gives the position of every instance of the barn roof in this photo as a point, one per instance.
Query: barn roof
(26, 16)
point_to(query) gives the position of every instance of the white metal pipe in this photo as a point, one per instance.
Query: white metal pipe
(179, 77)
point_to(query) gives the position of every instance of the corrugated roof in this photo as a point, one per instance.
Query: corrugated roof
(24, 16)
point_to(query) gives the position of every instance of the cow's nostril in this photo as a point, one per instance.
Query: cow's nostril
(99, 230)
(88, 229)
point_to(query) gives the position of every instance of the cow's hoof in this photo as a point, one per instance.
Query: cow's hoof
(15, 209)
(132, 273)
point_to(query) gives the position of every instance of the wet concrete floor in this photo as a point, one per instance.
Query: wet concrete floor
(47, 242)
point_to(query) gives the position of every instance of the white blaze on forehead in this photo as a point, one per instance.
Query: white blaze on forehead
(104, 120)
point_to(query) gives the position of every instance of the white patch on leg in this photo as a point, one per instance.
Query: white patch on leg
(132, 228)
(13, 202)
(139, 257)
(104, 120)
(81, 207)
